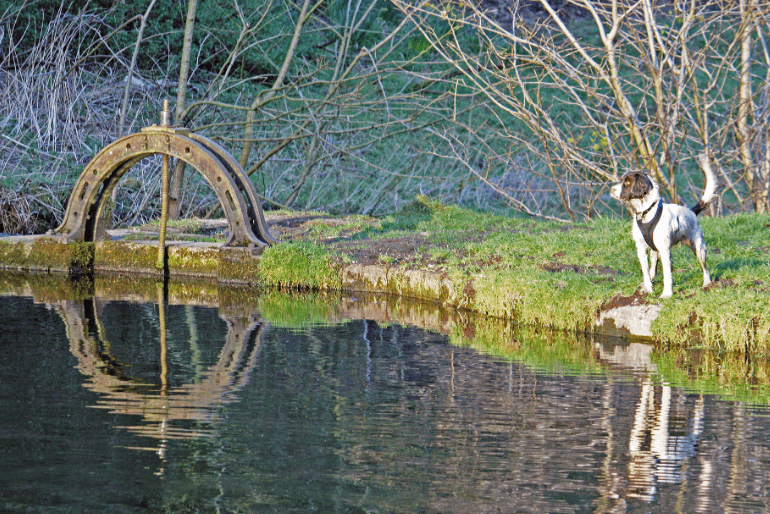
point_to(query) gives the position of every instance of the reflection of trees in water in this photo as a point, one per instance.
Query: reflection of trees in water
(380, 416)
(185, 411)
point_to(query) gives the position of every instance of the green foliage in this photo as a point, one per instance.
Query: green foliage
(29, 18)
(379, 20)
(218, 27)
(217, 30)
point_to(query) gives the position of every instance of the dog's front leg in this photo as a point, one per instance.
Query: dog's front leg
(668, 280)
(641, 253)
(653, 264)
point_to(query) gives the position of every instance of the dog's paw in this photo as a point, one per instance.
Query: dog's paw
(645, 288)
(666, 294)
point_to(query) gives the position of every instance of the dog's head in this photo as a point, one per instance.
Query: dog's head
(634, 185)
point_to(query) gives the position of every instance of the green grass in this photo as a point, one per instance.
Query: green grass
(300, 266)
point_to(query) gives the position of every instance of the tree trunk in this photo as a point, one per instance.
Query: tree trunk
(175, 192)
(743, 135)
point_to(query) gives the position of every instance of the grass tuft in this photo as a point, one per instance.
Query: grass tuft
(301, 266)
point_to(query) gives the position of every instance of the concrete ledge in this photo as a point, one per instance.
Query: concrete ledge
(183, 259)
(374, 278)
(193, 260)
(238, 265)
(200, 260)
(622, 317)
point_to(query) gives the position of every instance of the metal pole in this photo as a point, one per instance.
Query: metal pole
(165, 121)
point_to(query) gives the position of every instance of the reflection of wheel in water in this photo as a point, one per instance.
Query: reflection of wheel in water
(194, 402)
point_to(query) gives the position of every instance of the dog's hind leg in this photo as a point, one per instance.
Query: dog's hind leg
(698, 246)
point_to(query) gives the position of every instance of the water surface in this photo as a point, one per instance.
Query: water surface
(119, 406)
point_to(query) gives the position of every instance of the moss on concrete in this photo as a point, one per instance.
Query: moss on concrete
(45, 254)
(37, 253)
(126, 257)
(239, 265)
(412, 283)
(15, 255)
(82, 258)
(196, 261)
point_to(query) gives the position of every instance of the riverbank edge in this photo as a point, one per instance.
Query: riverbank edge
(620, 317)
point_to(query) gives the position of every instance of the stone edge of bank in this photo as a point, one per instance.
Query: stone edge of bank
(242, 266)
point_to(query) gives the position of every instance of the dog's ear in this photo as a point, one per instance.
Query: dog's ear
(635, 185)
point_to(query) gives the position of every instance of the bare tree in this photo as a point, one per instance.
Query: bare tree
(175, 191)
(322, 134)
(626, 84)
(353, 106)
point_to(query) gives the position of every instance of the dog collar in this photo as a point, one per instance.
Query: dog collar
(648, 228)
(648, 209)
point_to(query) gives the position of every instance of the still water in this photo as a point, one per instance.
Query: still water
(140, 406)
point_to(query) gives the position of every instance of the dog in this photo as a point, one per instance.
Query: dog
(659, 226)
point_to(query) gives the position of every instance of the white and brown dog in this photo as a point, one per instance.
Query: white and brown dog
(659, 226)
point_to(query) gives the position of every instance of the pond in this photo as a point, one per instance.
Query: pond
(111, 404)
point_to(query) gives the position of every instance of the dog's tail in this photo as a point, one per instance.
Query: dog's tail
(709, 190)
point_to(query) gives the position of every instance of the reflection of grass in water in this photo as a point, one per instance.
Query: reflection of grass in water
(296, 310)
(540, 348)
(729, 375)
(551, 351)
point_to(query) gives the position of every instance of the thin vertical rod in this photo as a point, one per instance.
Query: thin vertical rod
(161, 263)
(163, 341)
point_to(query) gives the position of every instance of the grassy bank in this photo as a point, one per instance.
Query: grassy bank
(545, 273)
